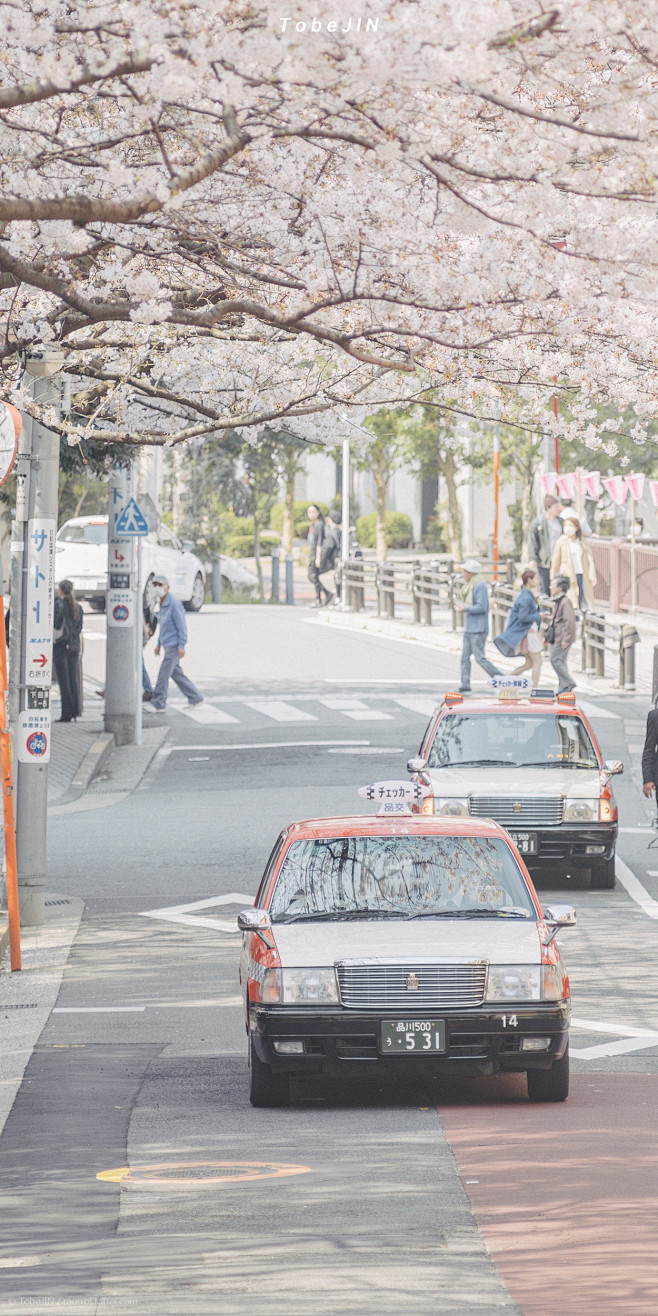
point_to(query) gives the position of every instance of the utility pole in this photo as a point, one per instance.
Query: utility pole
(31, 632)
(122, 689)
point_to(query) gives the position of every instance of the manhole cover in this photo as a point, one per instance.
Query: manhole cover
(198, 1174)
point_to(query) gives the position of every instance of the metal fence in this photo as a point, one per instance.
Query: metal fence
(600, 637)
(614, 586)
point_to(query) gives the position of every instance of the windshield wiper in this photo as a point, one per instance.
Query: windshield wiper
(471, 913)
(341, 914)
(481, 763)
(558, 763)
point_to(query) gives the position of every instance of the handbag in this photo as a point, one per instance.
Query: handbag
(550, 633)
(534, 640)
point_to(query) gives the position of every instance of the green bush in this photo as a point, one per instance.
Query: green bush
(301, 523)
(399, 530)
(240, 542)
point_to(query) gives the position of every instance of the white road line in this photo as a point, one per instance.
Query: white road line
(270, 744)
(207, 713)
(614, 1048)
(635, 890)
(593, 710)
(354, 708)
(384, 680)
(635, 831)
(186, 913)
(99, 1009)
(605, 1026)
(417, 704)
(280, 711)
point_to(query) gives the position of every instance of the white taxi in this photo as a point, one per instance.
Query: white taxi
(396, 945)
(531, 762)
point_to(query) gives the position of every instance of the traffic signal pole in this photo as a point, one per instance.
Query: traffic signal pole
(123, 617)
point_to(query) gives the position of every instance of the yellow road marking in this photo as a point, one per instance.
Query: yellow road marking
(145, 1176)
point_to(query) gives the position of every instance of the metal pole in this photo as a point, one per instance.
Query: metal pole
(633, 607)
(121, 686)
(216, 580)
(290, 584)
(32, 628)
(345, 526)
(275, 576)
(139, 645)
(9, 819)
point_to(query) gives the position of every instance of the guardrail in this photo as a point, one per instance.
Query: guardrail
(386, 584)
(598, 637)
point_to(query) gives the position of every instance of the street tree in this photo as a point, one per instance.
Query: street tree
(381, 457)
(196, 197)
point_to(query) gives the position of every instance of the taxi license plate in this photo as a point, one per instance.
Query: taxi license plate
(525, 842)
(407, 1036)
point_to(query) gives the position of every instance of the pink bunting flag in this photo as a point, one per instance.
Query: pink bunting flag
(590, 484)
(617, 488)
(653, 488)
(547, 481)
(567, 485)
(636, 485)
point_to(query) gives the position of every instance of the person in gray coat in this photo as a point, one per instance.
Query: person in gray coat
(563, 627)
(474, 603)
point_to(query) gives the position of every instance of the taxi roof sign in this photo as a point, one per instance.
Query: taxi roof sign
(393, 796)
(511, 687)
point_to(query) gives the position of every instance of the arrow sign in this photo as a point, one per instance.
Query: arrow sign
(40, 661)
(131, 521)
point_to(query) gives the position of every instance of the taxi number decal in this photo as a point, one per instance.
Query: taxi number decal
(509, 1020)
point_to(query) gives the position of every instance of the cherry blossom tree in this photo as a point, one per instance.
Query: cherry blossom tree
(230, 214)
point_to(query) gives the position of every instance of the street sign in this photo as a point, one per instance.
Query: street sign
(121, 608)
(11, 423)
(131, 522)
(34, 735)
(40, 601)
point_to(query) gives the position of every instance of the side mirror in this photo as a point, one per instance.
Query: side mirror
(560, 916)
(254, 920)
(187, 546)
(613, 766)
(416, 764)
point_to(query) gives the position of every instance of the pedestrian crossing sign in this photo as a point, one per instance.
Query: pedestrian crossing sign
(131, 521)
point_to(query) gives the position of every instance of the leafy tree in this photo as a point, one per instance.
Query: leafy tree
(381, 457)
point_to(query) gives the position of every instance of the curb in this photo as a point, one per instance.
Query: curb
(4, 938)
(95, 759)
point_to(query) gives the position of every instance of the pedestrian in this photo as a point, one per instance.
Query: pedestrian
(171, 641)
(543, 535)
(318, 555)
(66, 649)
(650, 756)
(149, 627)
(522, 633)
(569, 510)
(474, 603)
(335, 538)
(572, 558)
(562, 632)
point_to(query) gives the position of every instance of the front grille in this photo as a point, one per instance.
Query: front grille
(412, 986)
(518, 810)
(357, 1047)
(469, 1046)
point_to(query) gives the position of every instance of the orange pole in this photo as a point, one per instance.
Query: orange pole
(557, 441)
(496, 475)
(8, 806)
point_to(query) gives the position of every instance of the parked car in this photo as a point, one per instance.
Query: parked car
(81, 556)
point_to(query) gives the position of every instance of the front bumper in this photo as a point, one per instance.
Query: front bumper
(565, 843)
(346, 1042)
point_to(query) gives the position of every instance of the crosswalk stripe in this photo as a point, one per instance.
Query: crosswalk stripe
(417, 704)
(207, 713)
(354, 708)
(279, 710)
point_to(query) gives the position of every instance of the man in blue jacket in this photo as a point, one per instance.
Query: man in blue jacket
(172, 639)
(474, 603)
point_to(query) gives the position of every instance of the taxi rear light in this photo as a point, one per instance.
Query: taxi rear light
(428, 805)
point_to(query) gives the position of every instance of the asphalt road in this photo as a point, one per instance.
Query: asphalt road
(447, 1200)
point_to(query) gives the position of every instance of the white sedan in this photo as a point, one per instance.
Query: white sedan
(81, 557)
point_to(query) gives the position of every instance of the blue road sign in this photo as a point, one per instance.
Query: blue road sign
(131, 522)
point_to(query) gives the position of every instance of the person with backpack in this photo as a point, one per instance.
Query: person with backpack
(66, 649)
(320, 551)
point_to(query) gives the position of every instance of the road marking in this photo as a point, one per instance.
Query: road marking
(369, 749)
(635, 890)
(233, 1172)
(417, 704)
(593, 710)
(9, 1263)
(99, 1009)
(207, 713)
(354, 708)
(270, 744)
(279, 710)
(184, 913)
(386, 680)
(633, 1039)
(641, 831)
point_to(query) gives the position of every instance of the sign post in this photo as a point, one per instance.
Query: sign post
(123, 677)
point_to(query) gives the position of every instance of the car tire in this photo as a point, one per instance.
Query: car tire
(550, 1084)
(97, 603)
(198, 599)
(265, 1088)
(603, 875)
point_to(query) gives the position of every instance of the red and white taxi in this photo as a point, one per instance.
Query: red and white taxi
(532, 763)
(380, 945)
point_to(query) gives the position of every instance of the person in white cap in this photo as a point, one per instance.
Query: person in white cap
(474, 603)
(172, 639)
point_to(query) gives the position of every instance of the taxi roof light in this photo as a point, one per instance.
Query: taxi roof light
(566, 697)
(453, 697)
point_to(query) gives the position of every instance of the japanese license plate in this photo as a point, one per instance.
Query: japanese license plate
(404, 1036)
(525, 842)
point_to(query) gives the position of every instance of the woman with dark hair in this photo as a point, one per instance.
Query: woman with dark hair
(521, 635)
(319, 543)
(66, 649)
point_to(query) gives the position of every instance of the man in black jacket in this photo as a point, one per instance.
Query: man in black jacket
(650, 754)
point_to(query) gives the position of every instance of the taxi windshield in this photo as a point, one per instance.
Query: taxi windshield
(400, 876)
(512, 740)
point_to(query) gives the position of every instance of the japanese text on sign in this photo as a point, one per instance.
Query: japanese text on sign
(40, 601)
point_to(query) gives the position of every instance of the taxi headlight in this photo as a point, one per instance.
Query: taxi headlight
(581, 811)
(514, 982)
(310, 987)
(452, 807)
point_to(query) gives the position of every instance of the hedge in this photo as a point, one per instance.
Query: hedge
(399, 530)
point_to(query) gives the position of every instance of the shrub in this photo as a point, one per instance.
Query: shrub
(399, 530)
(240, 541)
(301, 524)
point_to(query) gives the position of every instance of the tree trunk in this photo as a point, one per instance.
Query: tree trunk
(454, 510)
(380, 540)
(259, 565)
(289, 504)
(81, 499)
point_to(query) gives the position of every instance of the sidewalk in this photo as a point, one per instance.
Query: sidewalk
(441, 637)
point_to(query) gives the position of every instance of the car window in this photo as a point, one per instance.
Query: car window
(396, 875)
(512, 740)
(95, 533)
(269, 867)
(166, 539)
